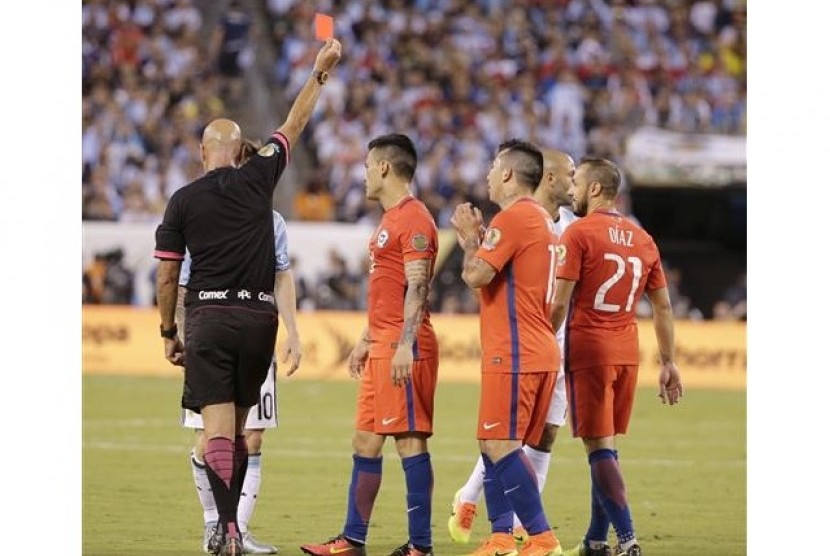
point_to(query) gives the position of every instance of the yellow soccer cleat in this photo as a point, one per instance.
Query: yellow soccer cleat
(460, 524)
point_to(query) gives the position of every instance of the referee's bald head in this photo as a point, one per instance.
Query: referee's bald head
(222, 133)
(221, 143)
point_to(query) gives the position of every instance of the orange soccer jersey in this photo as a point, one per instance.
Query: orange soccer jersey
(516, 332)
(520, 356)
(406, 233)
(613, 261)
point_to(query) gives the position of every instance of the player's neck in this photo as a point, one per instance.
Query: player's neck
(603, 206)
(392, 195)
(552, 207)
(511, 198)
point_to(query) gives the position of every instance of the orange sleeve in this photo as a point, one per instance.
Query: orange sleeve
(501, 240)
(569, 255)
(656, 278)
(418, 237)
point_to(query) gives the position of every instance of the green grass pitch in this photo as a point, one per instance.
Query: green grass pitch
(685, 471)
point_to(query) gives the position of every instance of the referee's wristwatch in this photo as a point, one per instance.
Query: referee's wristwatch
(170, 333)
(321, 76)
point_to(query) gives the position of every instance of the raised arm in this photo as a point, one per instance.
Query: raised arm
(304, 104)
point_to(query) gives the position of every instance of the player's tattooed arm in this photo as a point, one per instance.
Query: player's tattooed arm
(475, 272)
(415, 303)
(414, 307)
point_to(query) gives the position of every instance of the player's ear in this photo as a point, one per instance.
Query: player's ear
(506, 174)
(595, 189)
(383, 168)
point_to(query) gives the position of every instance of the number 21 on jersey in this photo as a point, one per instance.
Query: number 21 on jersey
(636, 273)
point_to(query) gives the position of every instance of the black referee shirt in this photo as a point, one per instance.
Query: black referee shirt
(226, 221)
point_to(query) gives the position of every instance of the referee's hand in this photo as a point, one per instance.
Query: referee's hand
(174, 351)
(328, 56)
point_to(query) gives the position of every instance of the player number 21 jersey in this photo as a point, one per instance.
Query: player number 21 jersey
(613, 261)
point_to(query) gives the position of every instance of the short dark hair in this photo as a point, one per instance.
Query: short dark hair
(605, 172)
(399, 151)
(526, 160)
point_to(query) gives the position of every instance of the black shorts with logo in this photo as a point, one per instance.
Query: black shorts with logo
(229, 345)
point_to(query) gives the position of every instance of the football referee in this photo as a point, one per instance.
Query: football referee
(225, 220)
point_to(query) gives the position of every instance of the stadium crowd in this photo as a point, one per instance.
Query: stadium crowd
(459, 76)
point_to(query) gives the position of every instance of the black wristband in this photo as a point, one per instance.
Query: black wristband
(169, 334)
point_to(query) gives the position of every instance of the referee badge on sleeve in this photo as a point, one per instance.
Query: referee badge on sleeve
(268, 150)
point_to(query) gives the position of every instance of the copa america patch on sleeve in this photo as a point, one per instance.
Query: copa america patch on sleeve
(491, 238)
(420, 242)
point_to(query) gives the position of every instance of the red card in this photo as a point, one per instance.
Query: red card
(323, 26)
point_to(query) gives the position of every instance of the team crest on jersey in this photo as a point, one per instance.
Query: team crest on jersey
(268, 150)
(420, 242)
(383, 237)
(491, 238)
(561, 253)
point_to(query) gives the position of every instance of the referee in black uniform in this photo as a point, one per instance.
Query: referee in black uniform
(225, 220)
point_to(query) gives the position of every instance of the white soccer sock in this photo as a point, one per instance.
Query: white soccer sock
(250, 490)
(472, 489)
(540, 462)
(203, 489)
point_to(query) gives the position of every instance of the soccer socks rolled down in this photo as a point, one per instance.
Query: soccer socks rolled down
(520, 488)
(250, 491)
(419, 479)
(219, 457)
(472, 489)
(499, 510)
(366, 476)
(203, 489)
(610, 492)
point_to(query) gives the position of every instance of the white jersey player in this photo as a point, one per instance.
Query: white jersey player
(261, 416)
(552, 194)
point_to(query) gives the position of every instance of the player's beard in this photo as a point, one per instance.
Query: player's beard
(580, 208)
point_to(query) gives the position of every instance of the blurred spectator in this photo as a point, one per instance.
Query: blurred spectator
(314, 202)
(106, 280)
(305, 295)
(337, 288)
(682, 305)
(232, 49)
(732, 304)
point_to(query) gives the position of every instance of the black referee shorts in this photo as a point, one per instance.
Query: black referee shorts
(228, 349)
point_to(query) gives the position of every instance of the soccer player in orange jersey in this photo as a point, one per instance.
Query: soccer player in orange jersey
(606, 263)
(552, 193)
(396, 357)
(520, 357)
